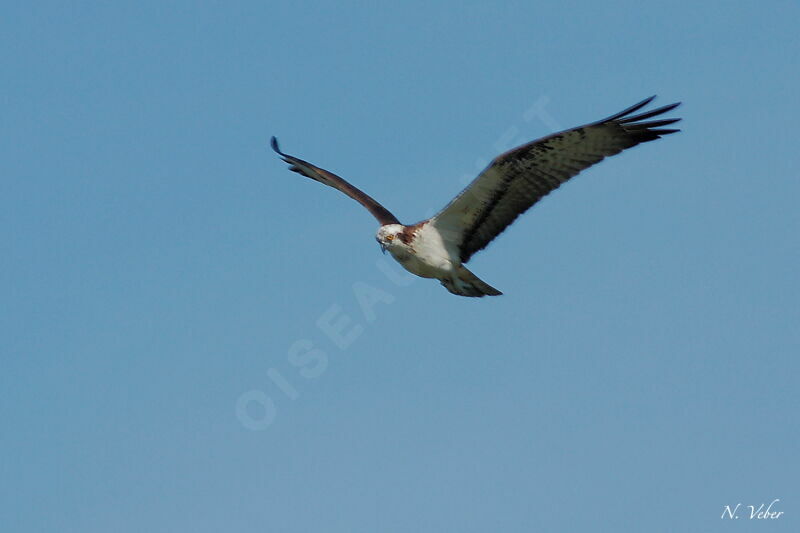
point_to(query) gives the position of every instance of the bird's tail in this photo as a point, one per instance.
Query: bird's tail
(465, 283)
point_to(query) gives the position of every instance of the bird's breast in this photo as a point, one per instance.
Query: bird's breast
(415, 264)
(424, 258)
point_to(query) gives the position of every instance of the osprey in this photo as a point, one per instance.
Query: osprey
(439, 246)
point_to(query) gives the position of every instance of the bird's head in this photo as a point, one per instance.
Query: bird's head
(388, 236)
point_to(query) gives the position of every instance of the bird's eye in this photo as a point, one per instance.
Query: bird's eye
(389, 237)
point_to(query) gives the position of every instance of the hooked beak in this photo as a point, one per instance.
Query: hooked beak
(383, 246)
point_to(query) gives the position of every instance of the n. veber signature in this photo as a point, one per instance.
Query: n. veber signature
(762, 512)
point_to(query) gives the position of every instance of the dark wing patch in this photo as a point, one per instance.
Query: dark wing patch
(516, 180)
(332, 180)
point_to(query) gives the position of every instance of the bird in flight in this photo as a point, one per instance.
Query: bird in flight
(439, 246)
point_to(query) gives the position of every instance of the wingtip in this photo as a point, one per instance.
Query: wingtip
(628, 111)
(274, 144)
(670, 107)
(646, 101)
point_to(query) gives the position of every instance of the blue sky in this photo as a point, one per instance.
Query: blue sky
(166, 282)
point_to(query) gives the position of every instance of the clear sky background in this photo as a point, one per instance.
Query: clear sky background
(166, 281)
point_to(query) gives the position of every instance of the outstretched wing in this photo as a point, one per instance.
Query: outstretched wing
(517, 179)
(332, 180)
